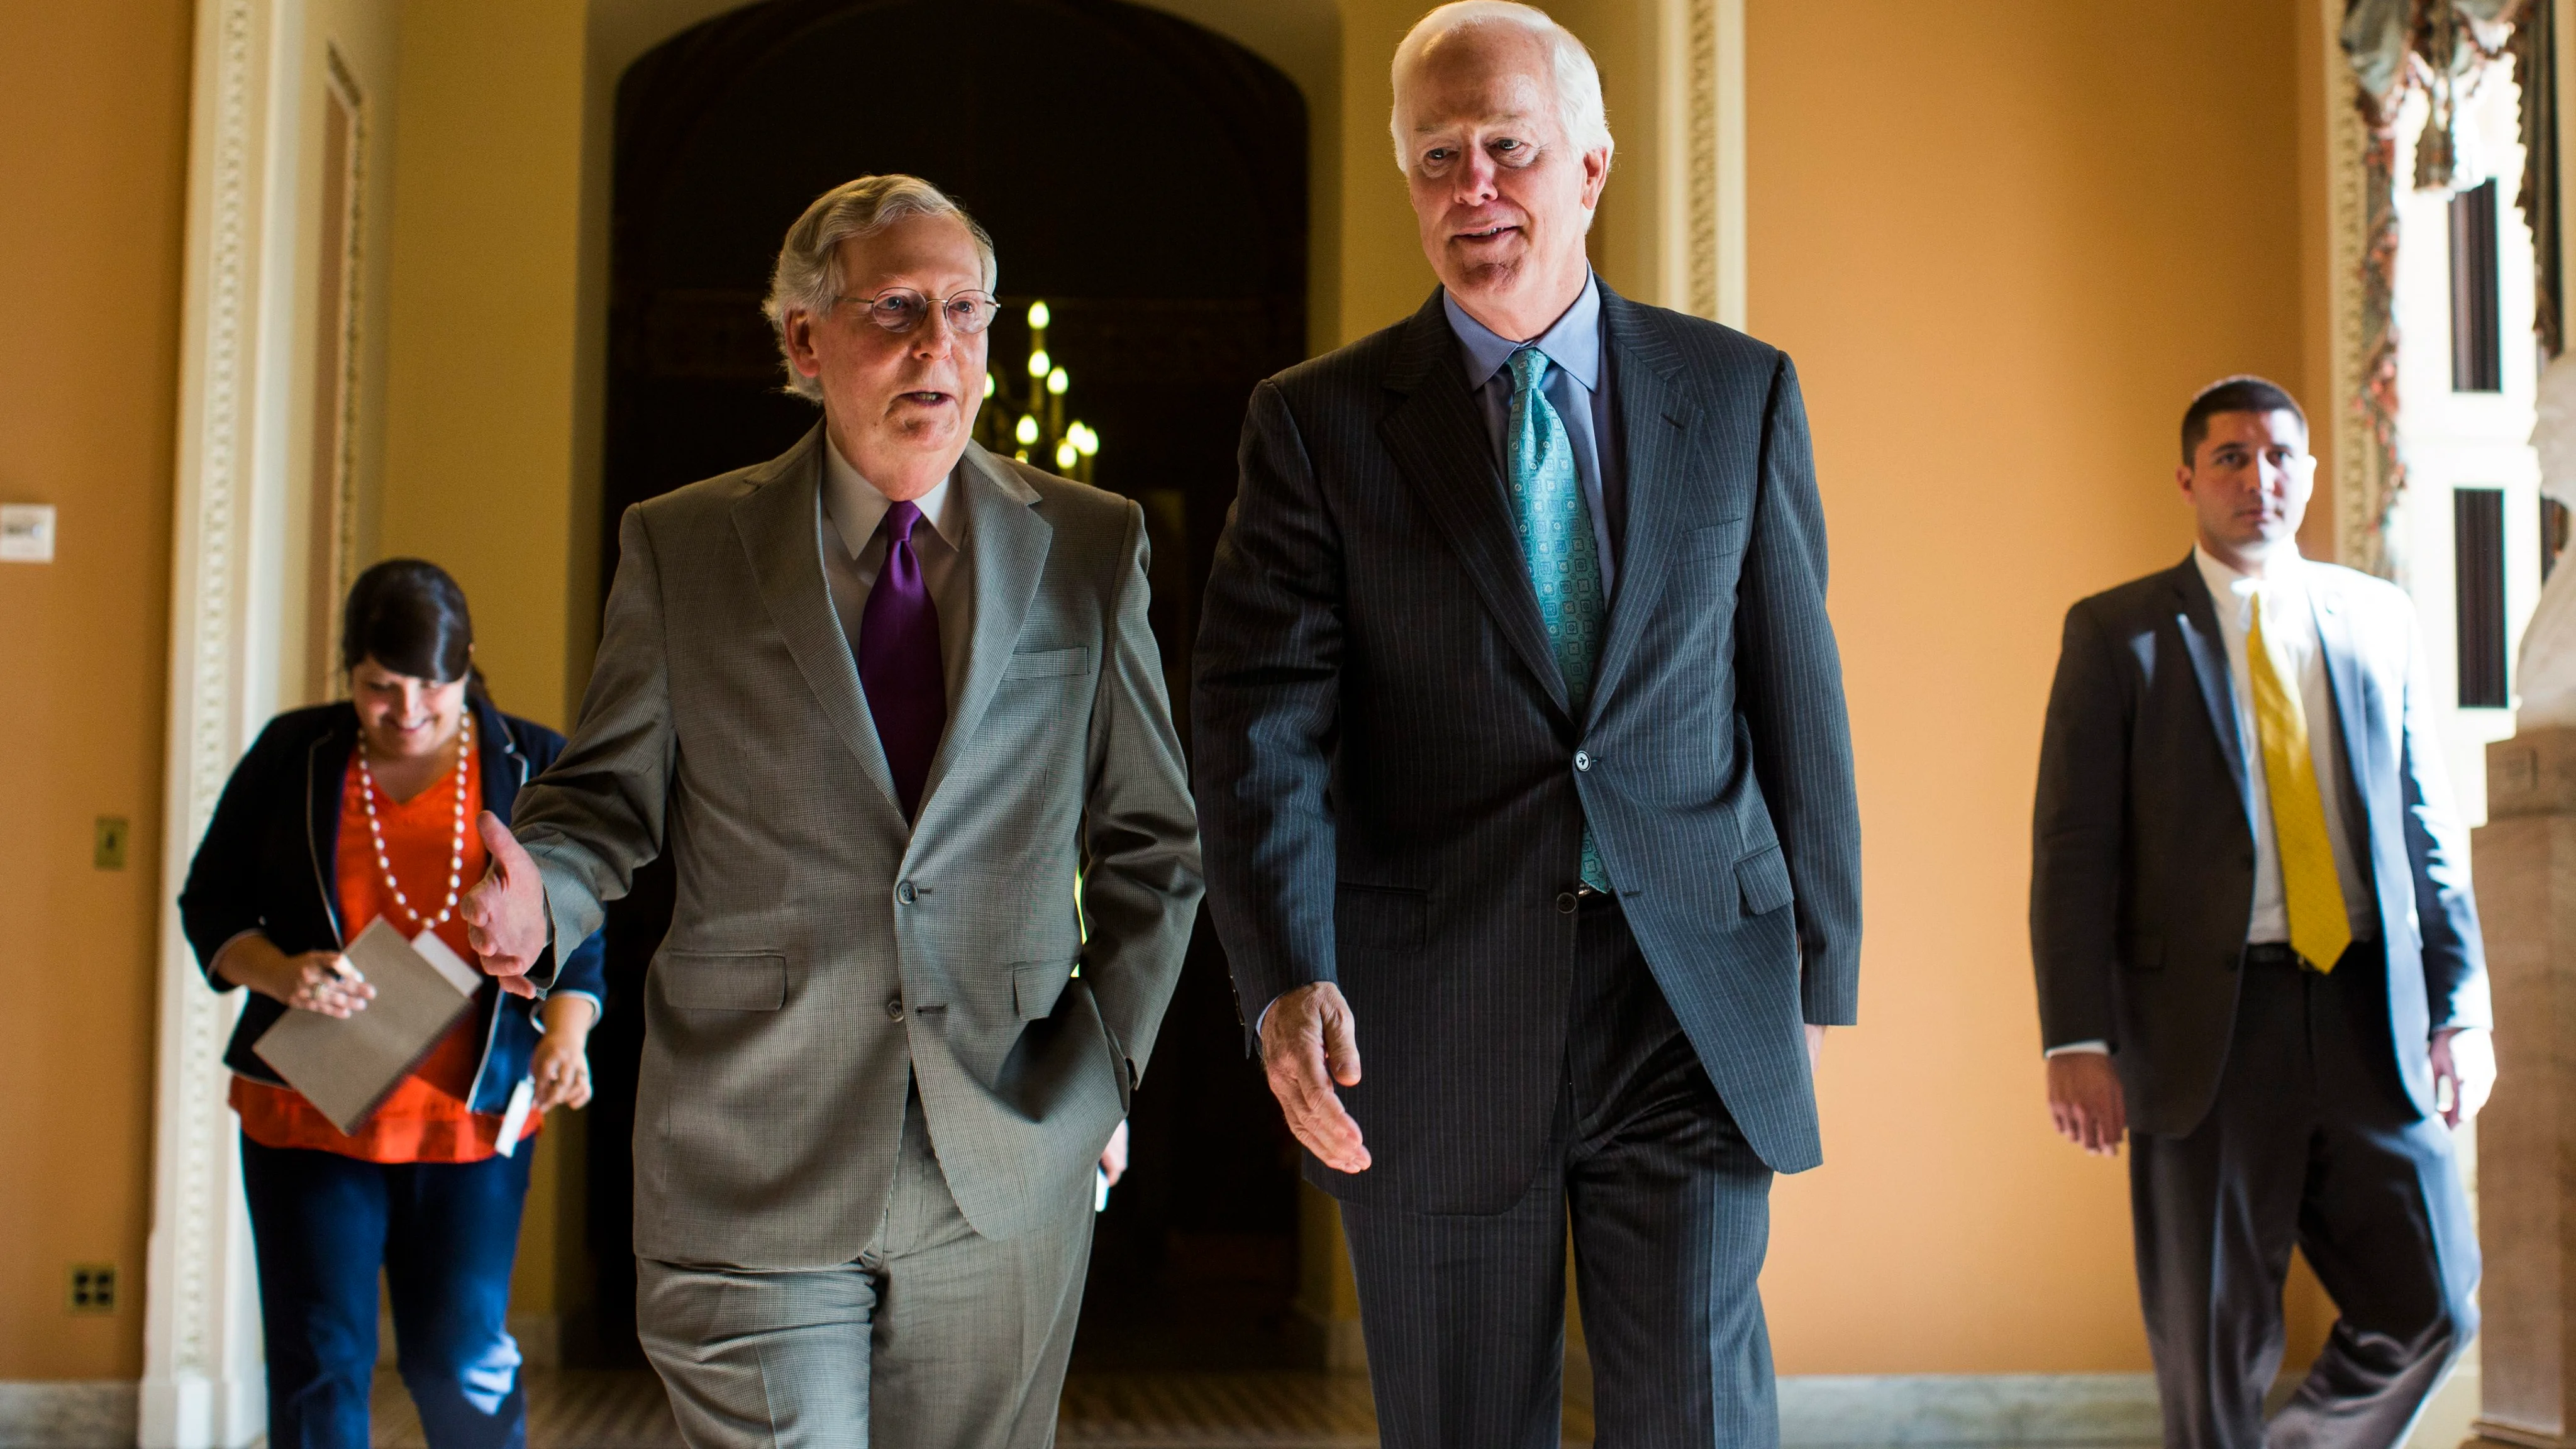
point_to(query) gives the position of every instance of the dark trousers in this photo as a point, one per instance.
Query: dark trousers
(445, 1235)
(1465, 1314)
(2311, 1142)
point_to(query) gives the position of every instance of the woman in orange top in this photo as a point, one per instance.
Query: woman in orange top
(341, 816)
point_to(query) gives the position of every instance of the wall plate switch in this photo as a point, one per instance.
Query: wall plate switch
(107, 849)
(26, 533)
(91, 1288)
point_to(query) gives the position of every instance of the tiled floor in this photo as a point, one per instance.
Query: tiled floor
(573, 1409)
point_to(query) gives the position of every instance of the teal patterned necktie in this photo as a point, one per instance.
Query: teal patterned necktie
(1557, 542)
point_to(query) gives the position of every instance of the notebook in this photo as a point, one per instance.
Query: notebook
(346, 1066)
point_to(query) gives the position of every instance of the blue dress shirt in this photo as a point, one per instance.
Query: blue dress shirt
(1577, 386)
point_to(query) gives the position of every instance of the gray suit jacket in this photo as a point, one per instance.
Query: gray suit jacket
(2142, 850)
(1396, 787)
(821, 954)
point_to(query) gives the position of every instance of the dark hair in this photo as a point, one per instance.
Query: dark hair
(2243, 393)
(408, 615)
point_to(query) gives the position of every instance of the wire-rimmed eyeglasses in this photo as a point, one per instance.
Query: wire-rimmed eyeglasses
(901, 309)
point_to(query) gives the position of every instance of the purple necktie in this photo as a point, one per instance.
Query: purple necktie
(899, 661)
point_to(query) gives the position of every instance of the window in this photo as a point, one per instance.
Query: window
(2477, 336)
(2477, 543)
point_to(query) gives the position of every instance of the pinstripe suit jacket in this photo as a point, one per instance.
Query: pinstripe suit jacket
(1393, 788)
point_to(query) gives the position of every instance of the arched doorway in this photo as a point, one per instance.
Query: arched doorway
(1147, 178)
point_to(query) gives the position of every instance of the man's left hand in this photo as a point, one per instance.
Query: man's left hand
(2465, 1058)
(1113, 1159)
(1815, 1047)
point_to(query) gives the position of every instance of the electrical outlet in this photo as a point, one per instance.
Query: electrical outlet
(107, 848)
(92, 1288)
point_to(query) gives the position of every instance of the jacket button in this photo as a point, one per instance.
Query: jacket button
(905, 893)
(1565, 902)
(894, 1008)
(1582, 761)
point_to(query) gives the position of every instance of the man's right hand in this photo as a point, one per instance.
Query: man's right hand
(1308, 1043)
(505, 912)
(2084, 1099)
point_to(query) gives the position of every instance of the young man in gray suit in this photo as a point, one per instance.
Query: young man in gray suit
(2257, 952)
(1523, 754)
(884, 699)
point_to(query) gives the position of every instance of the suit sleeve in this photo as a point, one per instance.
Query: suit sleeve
(2078, 826)
(1267, 706)
(596, 815)
(1142, 876)
(2455, 966)
(221, 898)
(1791, 691)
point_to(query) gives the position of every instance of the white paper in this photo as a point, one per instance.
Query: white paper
(1100, 1189)
(515, 1117)
(450, 965)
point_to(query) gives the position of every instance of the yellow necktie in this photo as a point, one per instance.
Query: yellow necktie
(2319, 929)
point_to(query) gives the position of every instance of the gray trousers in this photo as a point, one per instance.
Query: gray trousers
(1671, 1214)
(2311, 1142)
(935, 1338)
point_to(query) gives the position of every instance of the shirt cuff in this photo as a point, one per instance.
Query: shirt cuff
(2093, 1048)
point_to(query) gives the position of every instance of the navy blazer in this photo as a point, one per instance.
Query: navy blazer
(268, 864)
(1394, 787)
(2142, 850)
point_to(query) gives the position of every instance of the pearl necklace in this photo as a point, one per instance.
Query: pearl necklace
(456, 857)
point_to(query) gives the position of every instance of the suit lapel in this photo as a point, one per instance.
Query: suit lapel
(1440, 445)
(2343, 680)
(2197, 617)
(1009, 542)
(780, 523)
(1654, 423)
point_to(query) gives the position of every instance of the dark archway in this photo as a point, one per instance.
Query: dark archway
(1147, 179)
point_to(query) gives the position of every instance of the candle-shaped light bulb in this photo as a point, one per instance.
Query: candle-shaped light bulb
(1084, 438)
(1027, 432)
(992, 384)
(1057, 382)
(1038, 314)
(1039, 363)
(1066, 455)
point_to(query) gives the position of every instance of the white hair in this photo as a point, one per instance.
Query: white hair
(1578, 81)
(808, 276)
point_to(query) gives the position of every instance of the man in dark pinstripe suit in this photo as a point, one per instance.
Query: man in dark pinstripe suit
(1522, 747)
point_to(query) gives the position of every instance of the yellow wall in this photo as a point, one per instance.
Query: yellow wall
(2004, 243)
(94, 97)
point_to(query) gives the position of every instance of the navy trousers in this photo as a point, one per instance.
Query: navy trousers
(445, 1235)
(2311, 1142)
(1670, 1212)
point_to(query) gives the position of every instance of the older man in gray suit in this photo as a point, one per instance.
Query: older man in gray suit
(885, 699)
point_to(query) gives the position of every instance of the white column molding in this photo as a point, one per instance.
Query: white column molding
(2357, 526)
(202, 1386)
(1702, 95)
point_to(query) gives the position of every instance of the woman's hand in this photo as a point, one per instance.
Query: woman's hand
(318, 981)
(561, 1063)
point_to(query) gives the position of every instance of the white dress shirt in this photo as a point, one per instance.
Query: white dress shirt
(852, 510)
(2292, 622)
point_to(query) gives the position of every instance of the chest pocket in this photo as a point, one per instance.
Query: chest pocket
(1049, 663)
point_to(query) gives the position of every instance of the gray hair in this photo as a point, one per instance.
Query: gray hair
(808, 277)
(1578, 81)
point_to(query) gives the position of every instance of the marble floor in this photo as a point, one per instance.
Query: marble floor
(579, 1409)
